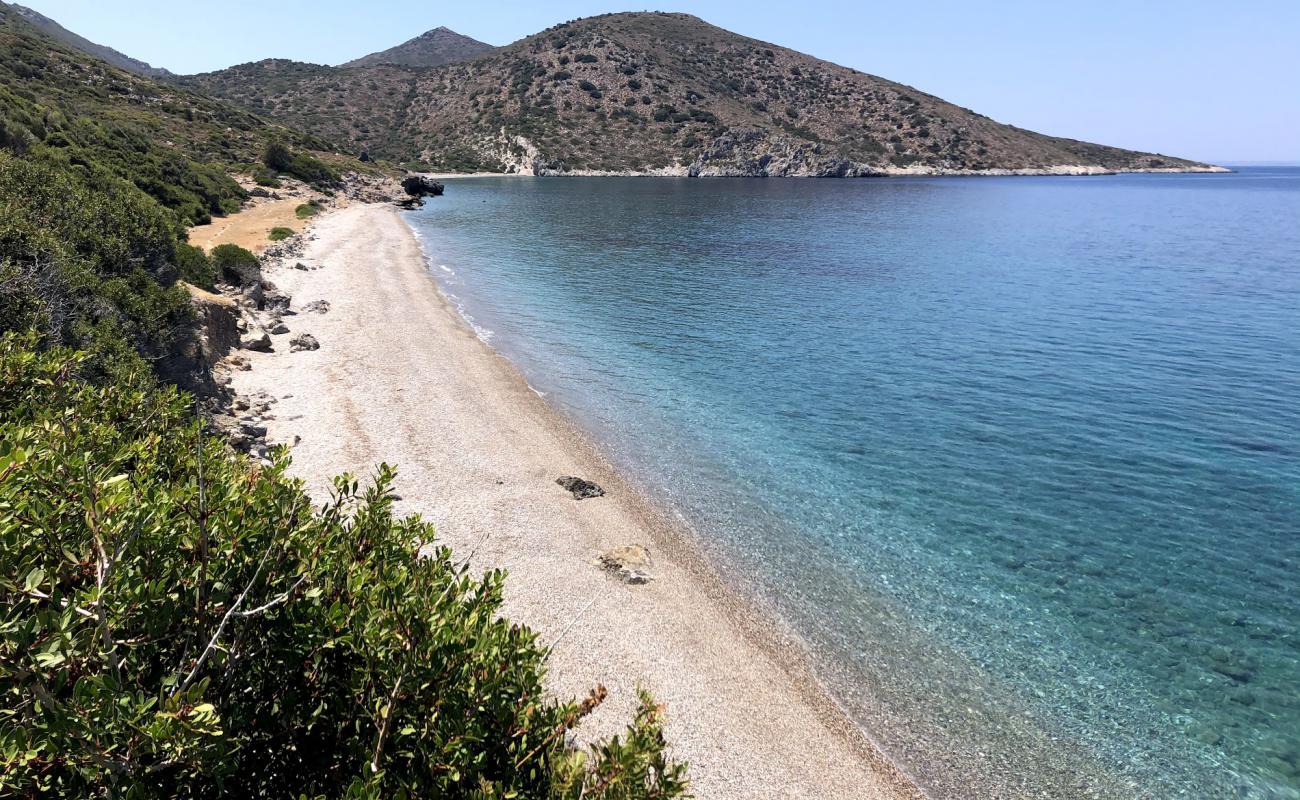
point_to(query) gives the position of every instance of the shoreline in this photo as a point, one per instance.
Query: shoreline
(401, 377)
(681, 171)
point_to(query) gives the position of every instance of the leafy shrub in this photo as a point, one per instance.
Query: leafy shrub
(278, 234)
(587, 86)
(300, 165)
(235, 265)
(194, 266)
(176, 621)
(585, 58)
(90, 260)
(265, 177)
(308, 209)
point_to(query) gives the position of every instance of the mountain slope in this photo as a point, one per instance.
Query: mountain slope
(63, 106)
(653, 93)
(430, 49)
(54, 30)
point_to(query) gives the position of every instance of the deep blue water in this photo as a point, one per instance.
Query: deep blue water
(1019, 457)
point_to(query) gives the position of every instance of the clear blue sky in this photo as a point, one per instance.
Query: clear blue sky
(1218, 81)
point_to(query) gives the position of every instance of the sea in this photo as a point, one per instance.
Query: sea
(1019, 458)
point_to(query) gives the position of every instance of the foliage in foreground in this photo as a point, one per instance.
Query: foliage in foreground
(176, 621)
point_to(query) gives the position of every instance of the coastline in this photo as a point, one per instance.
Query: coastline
(401, 377)
(683, 171)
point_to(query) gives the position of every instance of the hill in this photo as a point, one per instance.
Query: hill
(432, 48)
(61, 105)
(56, 31)
(652, 93)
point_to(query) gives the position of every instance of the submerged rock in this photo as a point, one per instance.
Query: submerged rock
(581, 489)
(303, 341)
(630, 563)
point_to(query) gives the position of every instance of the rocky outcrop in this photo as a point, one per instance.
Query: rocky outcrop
(214, 335)
(421, 186)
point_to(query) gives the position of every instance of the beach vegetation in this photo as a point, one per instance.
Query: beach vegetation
(177, 620)
(308, 209)
(234, 265)
(279, 234)
(310, 170)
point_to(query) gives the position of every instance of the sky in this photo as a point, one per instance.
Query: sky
(1215, 81)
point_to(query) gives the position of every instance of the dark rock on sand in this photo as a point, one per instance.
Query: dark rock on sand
(581, 489)
(259, 344)
(303, 341)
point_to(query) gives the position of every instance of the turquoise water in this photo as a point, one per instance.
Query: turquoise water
(1019, 457)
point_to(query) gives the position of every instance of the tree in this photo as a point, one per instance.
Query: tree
(277, 157)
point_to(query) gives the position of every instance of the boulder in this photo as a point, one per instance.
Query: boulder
(317, 307)
(258, 344)
(421, 186)
(303, 341)
(581, 489)
(279, 329)
(254, 294)
(629, 563)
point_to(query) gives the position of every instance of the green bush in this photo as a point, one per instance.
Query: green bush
(91, 261)
(300, 165)
(235, 265)
(280, 234)
(195, 267)
(178, 622)
(308, 209)
(265, 177)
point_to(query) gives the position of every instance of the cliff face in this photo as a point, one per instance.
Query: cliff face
(653, 93)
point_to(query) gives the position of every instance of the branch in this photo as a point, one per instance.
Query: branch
(282, 597)
(225, 620)
(39, 595)
(388, 719)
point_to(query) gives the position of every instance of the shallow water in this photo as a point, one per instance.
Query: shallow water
(1020, 457)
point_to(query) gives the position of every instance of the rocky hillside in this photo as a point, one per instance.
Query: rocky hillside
(430, 49)
(652, 93)
(54, 30)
